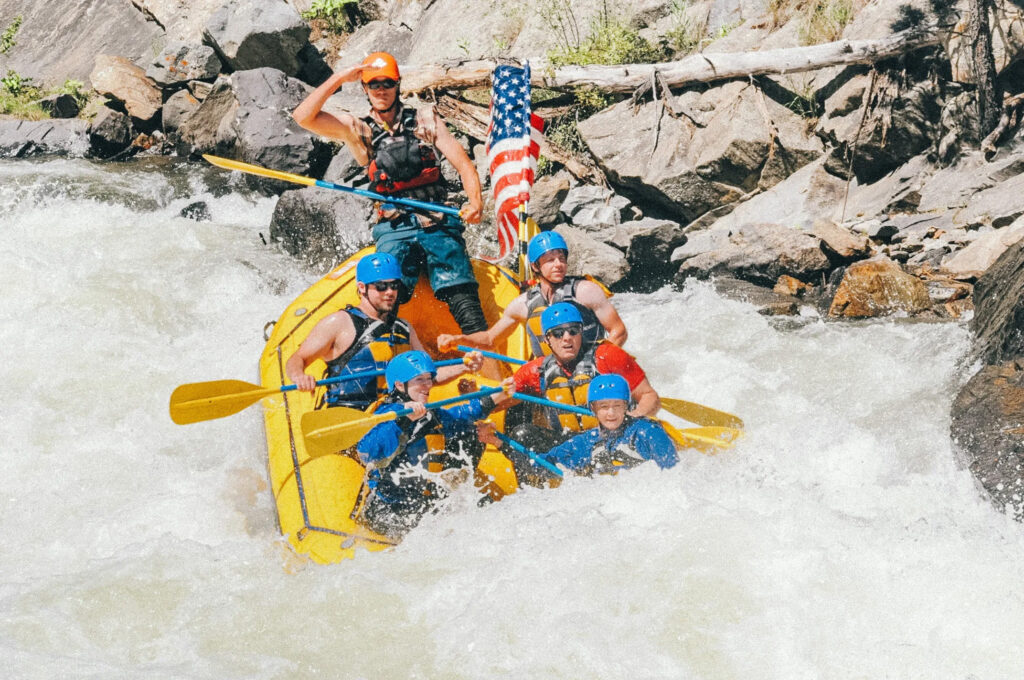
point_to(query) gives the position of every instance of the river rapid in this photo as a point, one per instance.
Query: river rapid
(839, 539)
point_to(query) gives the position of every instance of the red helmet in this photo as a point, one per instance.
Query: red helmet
(381, 65)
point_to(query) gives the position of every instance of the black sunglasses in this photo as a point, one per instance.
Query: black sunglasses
(573, 331)
(381, 286)
(381, 84)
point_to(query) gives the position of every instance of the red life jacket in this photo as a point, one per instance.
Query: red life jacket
(400, 160)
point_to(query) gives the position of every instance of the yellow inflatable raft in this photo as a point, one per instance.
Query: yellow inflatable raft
(316, 495)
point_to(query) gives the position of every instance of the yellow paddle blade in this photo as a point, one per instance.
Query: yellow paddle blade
(706, 440)
(335, 429)
(195, 402)
(229, 164)
(702, 415)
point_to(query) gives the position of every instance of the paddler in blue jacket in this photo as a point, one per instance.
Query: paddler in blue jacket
(548, 254)
(619, 442)
(364, 338)
(412, 461)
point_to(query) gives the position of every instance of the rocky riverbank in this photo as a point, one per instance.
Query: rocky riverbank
(858, 191)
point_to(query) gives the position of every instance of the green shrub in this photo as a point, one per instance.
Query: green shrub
(340, 16)
(7, 37)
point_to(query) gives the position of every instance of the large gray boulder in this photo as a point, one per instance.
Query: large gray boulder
(250, 34)
(127, 84)
(977, 257)
(872, 145)
(759, 253)
(178, 107)
(808, 195)
(181, 62)
(589, 256)
(247, 116)
(110, 133)
(987, 427)
(649, 253)
(321, 227)
(60, 40)
(999, 308)
(731, 141)
(23, 138)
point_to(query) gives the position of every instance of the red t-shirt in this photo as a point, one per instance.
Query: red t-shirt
(608, 357)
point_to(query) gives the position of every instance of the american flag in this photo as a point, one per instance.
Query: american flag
(513, 145)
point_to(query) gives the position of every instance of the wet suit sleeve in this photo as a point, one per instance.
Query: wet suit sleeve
(575, 453)
(527, 378)
(613, 359)
(653, 443)
(384, 440)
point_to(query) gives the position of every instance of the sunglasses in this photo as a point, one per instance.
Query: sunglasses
(572, 332)
(381, 286)
(381, 84)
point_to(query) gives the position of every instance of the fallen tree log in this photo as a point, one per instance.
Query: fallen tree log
(473, 120)
(697, 68)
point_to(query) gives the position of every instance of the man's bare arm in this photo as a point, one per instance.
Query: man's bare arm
(590, 295)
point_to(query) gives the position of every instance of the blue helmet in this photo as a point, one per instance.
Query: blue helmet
(610, 386)
(559, 314)
(407, 366)
(543, 242)
(378, 267)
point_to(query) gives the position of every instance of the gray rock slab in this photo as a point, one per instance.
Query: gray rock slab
(23, 138)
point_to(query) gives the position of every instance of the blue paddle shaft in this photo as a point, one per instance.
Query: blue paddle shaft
(492, 355)
(533, 456)
(364, 374)
(553, 404)
(407, 202)
(462, 397)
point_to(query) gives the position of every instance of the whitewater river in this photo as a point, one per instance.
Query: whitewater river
(840, 539)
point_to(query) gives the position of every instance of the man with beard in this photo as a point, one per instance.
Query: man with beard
(363, 338)
(548, 254)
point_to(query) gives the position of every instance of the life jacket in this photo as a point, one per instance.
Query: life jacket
(425, 451)
(571, 390)
(593, 331)
(376, 343)
(401, 164)
(617, 450)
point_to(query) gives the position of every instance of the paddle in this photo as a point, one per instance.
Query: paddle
(335, 429)
(492, 355)
(687, 410)
(719, 437)
(196, 402)
(700, 438)
(229, 164)
(702, 415)
(533, 456)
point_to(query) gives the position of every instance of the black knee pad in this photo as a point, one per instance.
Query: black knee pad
(463, 302)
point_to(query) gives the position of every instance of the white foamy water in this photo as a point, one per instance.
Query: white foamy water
(838, 540)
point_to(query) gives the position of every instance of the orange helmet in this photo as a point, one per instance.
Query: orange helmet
(382, 65)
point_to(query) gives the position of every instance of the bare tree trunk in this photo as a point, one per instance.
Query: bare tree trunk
(983, 65)
(697, 68)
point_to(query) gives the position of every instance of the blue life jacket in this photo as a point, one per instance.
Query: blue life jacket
(600, 451)
(375, 344)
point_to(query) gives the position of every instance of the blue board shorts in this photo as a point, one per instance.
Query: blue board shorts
(440, 248)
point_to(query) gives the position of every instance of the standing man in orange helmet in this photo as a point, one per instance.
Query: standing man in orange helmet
(399, 147)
